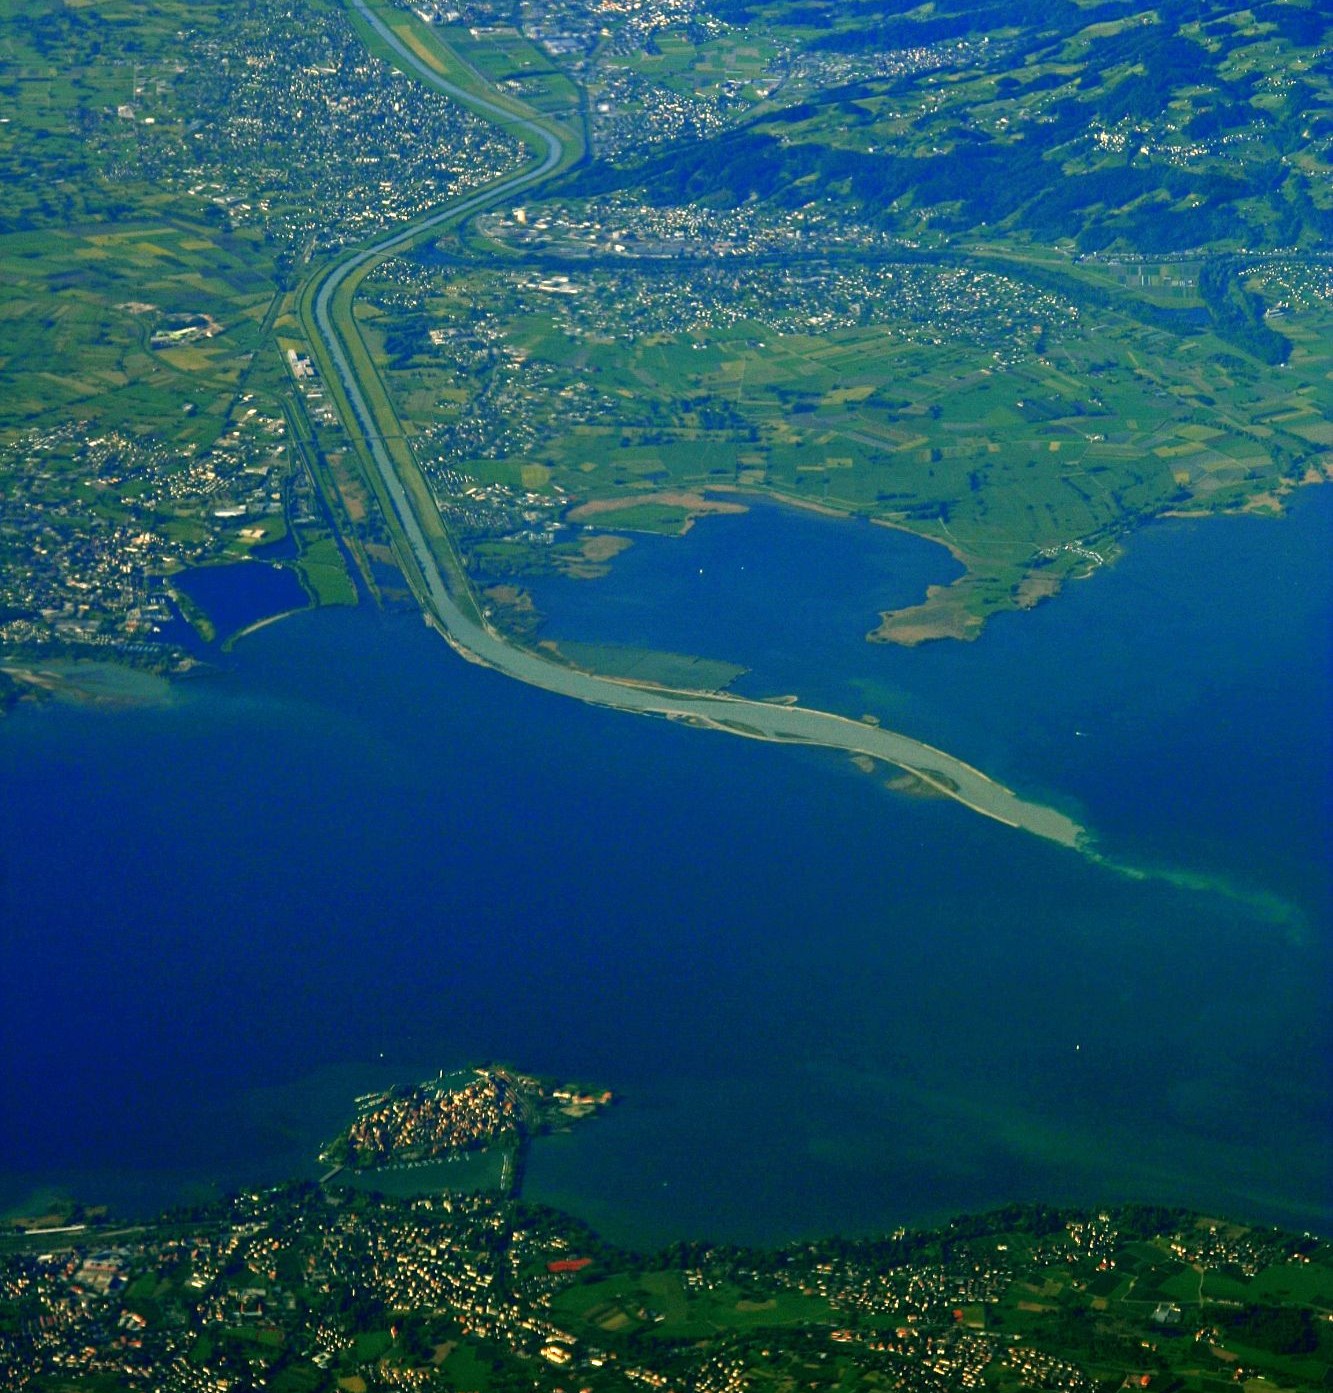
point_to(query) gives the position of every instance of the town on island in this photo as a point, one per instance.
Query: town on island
(487, 1106)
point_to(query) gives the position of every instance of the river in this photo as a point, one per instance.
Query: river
(349, 857)
(944, 772)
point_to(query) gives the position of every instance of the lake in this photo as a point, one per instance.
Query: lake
(348, 857)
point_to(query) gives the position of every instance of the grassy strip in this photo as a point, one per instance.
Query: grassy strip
(323, 574)
(302, 439)
(193, 614)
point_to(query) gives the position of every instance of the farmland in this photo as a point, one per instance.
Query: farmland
(1012, 422)
(152, 418)
(1017, 291)
(303, 1288)
(1014, 282)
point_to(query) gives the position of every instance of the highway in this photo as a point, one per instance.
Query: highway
(477, 641)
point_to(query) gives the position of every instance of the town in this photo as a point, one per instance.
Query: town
(769, 267)
(309, 1288)
(485, 1106)
(191, 449)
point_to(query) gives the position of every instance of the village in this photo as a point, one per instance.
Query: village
(91, 568)
(102, 504)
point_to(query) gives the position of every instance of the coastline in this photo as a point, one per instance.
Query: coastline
(696, 504)
(108, 683)
(926, 622)
(935, 617)
(944, 613)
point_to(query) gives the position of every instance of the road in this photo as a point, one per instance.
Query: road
(477, 641)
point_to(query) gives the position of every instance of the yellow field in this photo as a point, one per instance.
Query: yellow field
(409, 36)
(187, 358)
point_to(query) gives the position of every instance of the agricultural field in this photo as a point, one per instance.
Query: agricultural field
(1015, 282)
(461, 1289)
(151, 326)
(1007, 414)
(511, 63)
(662, 1302)
(1016, 278)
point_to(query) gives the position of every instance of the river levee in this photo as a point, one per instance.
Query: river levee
(478, 641)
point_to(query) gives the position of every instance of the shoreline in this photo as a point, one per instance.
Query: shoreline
(946, 625)
(106, 683)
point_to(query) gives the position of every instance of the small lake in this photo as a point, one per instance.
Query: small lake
(241, 594)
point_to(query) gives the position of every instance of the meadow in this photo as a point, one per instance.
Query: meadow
(1029, 442)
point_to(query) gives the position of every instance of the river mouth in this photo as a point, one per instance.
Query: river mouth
(826, 1008)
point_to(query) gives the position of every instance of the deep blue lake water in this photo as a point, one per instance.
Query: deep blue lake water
(350, 857)
(244, 592)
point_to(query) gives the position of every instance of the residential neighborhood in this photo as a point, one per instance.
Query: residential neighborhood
(303, 1287)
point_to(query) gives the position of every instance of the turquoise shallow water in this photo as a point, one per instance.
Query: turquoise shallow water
(351, 857)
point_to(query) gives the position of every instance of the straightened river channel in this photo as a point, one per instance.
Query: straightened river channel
(479, 642)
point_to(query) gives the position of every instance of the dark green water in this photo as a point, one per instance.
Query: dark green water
(352, 857)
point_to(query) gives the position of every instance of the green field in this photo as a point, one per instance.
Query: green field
(1017, 288)
(509, 62)
(1029, 440)
(657, 1302)
(674, 670)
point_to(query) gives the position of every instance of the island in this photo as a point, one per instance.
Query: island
(488, 1105)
